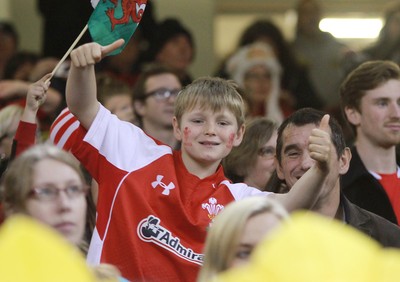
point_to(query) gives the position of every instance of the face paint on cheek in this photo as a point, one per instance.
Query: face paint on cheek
(186, 134)
(229, 145)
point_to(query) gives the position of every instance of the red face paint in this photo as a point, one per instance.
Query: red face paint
(186, 133)
(230, 142)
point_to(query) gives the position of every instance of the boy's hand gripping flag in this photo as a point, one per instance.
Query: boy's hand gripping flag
(115, 19)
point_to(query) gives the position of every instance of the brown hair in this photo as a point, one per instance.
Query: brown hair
(140, 89)
(17, 180)
(242, 158)
(367, 76)
(108, 86)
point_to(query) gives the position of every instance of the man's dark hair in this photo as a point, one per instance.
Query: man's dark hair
(139, 91)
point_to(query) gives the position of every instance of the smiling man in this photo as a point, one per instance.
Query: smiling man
(371, 102)
(293, 152)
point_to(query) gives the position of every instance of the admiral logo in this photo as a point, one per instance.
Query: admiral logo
(150, 230)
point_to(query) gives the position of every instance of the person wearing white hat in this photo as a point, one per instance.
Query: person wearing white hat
(257, 71)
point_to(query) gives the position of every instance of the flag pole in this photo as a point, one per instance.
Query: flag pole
(69, 51)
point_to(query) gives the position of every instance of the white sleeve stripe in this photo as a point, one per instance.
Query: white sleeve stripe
(67, 134)
(59, 124)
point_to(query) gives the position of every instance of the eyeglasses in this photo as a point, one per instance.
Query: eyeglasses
(162, 94)
(51, 193)
(267, 152)
(258, 76)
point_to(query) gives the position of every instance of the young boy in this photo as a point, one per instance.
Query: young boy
(155, 204)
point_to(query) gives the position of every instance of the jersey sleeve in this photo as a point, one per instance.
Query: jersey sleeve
(24, 138)
(63, 131)
(242, 190)
(108, 142)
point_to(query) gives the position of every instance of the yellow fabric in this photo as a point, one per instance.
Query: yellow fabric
(30, 251)
(312, 248)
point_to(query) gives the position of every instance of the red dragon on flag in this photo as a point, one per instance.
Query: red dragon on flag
(133, 9)
(115, 19)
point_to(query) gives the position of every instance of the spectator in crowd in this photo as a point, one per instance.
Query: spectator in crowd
(14, 90)
(257, 71)
(9, 41)
(154, 99)
(116, 96)
(174, 47)
(28, 131)
(309, 247)
(20, 66)
(9, 119)
(21, 124)
(237, 231)
(371, 102)
(295, 81)
(47, 184)
(253, 161)
(294, 159)
(387, 46)
(153, 190)
(324, 56)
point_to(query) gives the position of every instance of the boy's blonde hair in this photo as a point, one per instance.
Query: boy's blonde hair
(210, 93)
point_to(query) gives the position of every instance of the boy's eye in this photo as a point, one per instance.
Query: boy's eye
(223, 123)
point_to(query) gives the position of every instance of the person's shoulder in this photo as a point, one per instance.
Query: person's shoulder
(387, 229)
(381, 229)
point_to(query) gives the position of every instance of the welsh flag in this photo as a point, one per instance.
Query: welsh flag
(115, 19)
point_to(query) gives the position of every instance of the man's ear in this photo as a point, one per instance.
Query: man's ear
(344, 161)
(279, 171)
(177, 130)
(139, 108)
(239, 136)
(353, 116)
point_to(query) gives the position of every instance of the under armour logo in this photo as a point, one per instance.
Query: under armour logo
(158, 182)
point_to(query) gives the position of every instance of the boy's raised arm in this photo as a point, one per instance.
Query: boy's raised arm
(81, 84)
(306, 190)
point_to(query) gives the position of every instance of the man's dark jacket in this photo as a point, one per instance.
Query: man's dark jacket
(364, 190)
(380, 229)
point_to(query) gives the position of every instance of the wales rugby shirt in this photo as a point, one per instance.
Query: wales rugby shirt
(152, 214)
